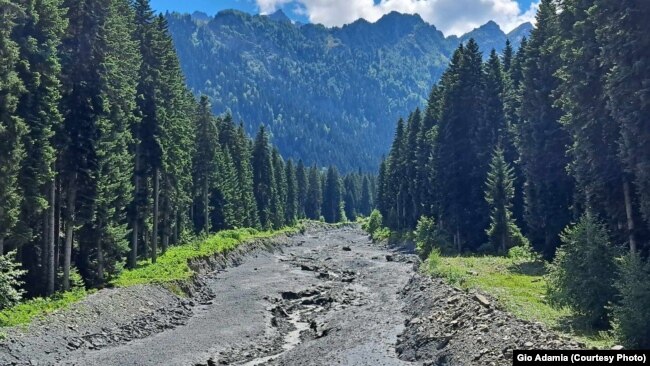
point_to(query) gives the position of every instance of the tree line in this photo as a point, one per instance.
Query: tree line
(519, 147)
(106, 157)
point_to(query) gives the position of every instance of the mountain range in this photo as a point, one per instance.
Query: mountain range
(327, 95)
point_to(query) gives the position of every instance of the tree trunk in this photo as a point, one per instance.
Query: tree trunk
(49, 237)
(69, 230)
(2, 245)
(100, 255)
(166, 225)
(57, 224)
(630, 215)
(156, 199)
(206, 208)
(133, 260)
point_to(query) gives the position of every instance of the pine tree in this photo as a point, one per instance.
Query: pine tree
(622, 28)
(205, 163)
(302, 184)
(39, 37)
(460, 146)
(263, 178)
(332, 196)
(410, 160)
(425, 173)
(223, 194)
(12, 127)
(542, 140)
(503, 231)
(279, 190)
(366, 203)
(314, 195)
(596, 166)
(242, 157)
(291, 205)
(394, 192)
(350, 197)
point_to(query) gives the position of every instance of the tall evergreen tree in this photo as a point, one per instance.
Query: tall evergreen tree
(291, 205)
(366, 203)
(332, 196)
(302, 184)
(12, 127)
(622, 28)
(599, 172)
(542, 140)
(314, 195)
(503, 231)
(39, 37)
(459, 149)
(263, 178)
(279, 190)
(205, 163)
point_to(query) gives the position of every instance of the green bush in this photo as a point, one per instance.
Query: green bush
(632, 313)
(523, 252)
(375, 222)
(583, 274)
(425, 236)
(381, 234)
(10, 293)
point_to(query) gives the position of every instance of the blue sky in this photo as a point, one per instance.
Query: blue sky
(450, 16)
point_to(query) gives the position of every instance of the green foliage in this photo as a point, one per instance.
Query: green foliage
(632, 319)
(25, 312)
(381, 234)
(433, 259)
(173, 265)
(375, 222)
(583, 273)
(503, 231)
(10, 272)
(425, 236)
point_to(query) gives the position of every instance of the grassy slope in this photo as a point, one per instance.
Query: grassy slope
(171, 266)
(519, 286)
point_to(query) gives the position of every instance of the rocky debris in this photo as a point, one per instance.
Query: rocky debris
(450, 326)
(118, 316)
(347, 249)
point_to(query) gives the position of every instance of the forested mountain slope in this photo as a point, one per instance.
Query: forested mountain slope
(328, 95)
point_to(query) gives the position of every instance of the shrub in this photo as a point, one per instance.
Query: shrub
(428, 235)
(10, 292)
(523, 252)
(425, 236)
(381, 234)
(375, 222)
(632, 318)
(583, 273)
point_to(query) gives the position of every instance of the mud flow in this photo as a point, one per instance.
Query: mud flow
(327, 297)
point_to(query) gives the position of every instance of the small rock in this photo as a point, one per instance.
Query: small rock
(482, 299)
(347, 249)
(389, 258)
(528, 344)
(617, 348)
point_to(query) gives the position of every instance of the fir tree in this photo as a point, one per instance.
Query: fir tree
(314, 195)
(205, 163)
(279, 190)
(291, 206)
(263, 178)
(366, 200)
(302, 184)
(542, 140)
(12, 127)
(332, 196)
(503, 231)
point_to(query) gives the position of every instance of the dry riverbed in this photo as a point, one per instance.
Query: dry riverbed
(327, 297)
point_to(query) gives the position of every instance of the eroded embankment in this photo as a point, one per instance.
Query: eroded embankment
(119, 315)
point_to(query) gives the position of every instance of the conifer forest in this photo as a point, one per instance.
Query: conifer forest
(122, 164)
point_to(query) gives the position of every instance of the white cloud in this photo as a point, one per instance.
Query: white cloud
(450, 16)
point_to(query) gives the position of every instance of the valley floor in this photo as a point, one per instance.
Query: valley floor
(327, 297)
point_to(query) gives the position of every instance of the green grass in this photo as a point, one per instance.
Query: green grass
(25, 312)
(170, 267)
(520, 288)
(173, 265)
